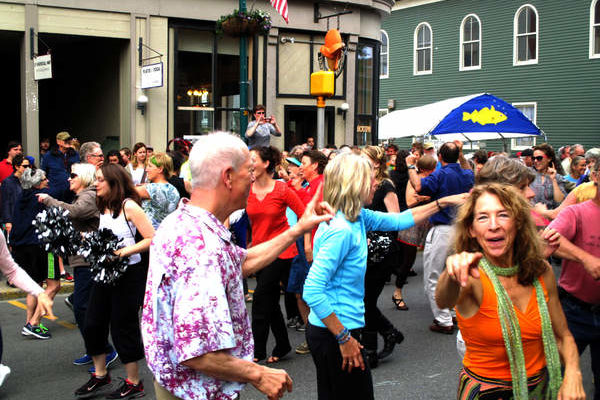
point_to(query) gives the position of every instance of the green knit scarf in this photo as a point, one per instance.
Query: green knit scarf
(511, 332)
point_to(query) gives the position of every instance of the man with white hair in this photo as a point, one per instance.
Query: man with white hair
(195, 326)
(91, 153)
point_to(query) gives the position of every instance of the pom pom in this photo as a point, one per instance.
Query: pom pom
(56, 232)
(98, 248)
(378, 246)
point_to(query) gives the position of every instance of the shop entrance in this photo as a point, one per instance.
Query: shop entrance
(10, 101)
(301, 123)
(84, 96)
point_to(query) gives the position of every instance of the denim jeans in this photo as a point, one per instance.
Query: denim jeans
(585, 328)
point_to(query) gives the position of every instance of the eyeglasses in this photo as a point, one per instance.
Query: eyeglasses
(538, 158)
(73, 176)
(96, 155)
(259, 112)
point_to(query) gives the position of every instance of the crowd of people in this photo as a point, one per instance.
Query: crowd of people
(327, 228)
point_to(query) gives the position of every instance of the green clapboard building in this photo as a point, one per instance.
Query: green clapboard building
(541, 56)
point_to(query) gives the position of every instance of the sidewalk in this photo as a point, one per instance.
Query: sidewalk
(9, 293)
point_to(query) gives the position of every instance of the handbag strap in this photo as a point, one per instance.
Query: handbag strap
(125, 216)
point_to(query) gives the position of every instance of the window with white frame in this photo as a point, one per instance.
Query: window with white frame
(530, 111)
(384, 55)
(526, 32)
(423, 44)
(595, 29)
(470, 43)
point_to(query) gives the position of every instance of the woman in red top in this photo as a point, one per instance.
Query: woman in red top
(267, 203)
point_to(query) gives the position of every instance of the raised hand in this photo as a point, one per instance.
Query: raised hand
(462, 265)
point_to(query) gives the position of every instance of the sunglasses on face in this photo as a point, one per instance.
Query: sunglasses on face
(25, 165)
(260, 112)
(538, 158)
(73, 176)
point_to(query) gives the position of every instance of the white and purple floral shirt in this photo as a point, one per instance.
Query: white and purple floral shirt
(194, 303)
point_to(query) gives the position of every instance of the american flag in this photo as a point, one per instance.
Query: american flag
(282, 8)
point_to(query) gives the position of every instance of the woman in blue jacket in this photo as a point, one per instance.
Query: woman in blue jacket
(334, 288)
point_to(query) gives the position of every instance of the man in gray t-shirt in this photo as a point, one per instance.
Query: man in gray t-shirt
(259, 130)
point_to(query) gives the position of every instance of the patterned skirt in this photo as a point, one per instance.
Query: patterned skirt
(475, 387)
(415, 236)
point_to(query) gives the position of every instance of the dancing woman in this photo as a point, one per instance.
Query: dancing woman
(267, 203)
(117, 306)
(334, 288)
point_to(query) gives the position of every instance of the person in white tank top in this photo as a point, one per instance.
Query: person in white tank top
(117, 306)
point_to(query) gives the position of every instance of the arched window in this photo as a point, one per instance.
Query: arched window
(423, 44)
(595, 29)
(470, 43)
(526, 32)
(384, 55)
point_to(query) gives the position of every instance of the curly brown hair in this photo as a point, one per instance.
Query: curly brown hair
(527, 246)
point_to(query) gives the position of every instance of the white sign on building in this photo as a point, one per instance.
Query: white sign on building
(152, 75)
(42, 67)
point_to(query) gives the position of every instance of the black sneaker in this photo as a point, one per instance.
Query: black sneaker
(93, 387)
(68, 302)
(128, 390)
(293, 322)
(37, 331)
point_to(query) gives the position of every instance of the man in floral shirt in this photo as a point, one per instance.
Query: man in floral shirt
(195, 325)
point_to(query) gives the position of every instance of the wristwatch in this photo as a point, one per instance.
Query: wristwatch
(412, 166)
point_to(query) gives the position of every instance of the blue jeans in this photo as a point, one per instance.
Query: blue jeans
(585, 328)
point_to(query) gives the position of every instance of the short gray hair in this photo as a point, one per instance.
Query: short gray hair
(592, 155)
(501, 169)
(87, 148)
(32, 178)
(86, 173)
(214, 153)
(575, 147)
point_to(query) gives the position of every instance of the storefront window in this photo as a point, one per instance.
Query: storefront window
(367, 81)
(206, 101)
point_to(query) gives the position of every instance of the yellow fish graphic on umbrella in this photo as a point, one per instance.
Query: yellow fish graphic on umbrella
(485, 116)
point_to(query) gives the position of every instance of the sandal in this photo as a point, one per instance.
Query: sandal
(273, 360)
(248, 298)
(400, 304)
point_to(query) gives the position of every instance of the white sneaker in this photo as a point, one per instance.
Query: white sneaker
(4, 371)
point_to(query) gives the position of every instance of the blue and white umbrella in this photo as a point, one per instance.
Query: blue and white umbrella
(469, 118)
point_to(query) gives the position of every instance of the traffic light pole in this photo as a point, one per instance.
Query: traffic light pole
(320, 122)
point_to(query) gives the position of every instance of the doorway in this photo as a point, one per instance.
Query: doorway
(83, 96)
(10, 68)
(301, 123)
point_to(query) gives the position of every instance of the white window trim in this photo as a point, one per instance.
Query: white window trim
(387, 56)
(513, 145)
(537, 37)
(415, 58)
(592, 7)
(461, 67)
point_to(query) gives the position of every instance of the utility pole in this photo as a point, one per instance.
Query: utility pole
(243, 78)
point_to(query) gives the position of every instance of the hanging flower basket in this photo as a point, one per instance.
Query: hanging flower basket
(244, 23)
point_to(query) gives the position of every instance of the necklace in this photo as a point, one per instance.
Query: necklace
(505, 271)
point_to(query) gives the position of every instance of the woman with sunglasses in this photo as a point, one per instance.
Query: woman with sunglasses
(259, 130)
(548, 185)
(11, 189)
(159, 197)
(84, 214)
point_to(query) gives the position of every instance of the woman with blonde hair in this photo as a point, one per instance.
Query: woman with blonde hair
(507, 304)
(137, 167)
(334, 288)
(159, 197)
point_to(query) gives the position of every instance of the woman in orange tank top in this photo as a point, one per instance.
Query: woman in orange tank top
(507, 304)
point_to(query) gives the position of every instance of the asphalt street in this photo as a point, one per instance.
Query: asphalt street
(424, 366)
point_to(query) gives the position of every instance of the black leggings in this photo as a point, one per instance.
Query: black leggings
(117, 307)
(408, 254)
(266, 312)
(375, 277)
(332, 382)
